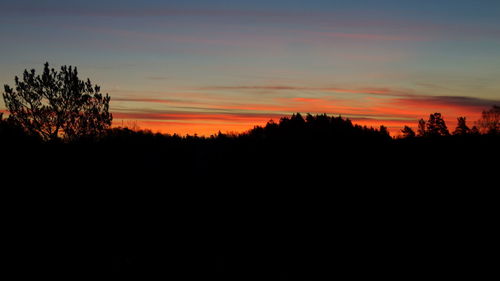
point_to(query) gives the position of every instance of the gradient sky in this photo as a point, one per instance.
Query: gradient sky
(203, 66)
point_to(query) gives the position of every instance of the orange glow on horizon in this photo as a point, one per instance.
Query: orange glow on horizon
(192, 128)
(209, 116)
(206, 126)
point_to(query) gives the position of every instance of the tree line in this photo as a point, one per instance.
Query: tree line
(435, 126)
(57, 106)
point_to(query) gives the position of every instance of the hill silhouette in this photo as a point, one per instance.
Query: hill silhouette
(305, 198)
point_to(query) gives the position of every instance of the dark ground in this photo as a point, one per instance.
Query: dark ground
(280, 209)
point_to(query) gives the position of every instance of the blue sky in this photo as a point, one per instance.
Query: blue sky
(201, 66)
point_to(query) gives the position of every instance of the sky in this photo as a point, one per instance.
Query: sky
(201, 67)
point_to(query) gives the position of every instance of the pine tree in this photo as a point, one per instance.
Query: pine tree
(461, 129)
(436, 126)
(421, 128)
(57, 105)
(408, 132)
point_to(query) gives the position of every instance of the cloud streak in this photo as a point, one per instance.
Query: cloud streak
(160, 11)
(329, 23)
(367, 90)
(458, 101)
(369, 36)
(195, 116)
(147, 100)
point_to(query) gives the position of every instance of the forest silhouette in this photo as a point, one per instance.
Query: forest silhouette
(300, 199)
(304, 198)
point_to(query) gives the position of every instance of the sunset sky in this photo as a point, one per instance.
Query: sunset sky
(185, 66)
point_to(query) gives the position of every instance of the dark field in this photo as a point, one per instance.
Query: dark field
(283, 205)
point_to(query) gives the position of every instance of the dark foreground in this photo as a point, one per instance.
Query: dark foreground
(144, 207)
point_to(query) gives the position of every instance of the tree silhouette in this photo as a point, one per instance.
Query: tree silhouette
(490, 121)
(462, 129)
(421, 128)
(57, 105)
(436, 126)
(475, 131)
(13, 134)
(408, 132)
(383, 130)
(317, 128)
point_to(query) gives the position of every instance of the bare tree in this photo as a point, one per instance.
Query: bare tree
(57, 105)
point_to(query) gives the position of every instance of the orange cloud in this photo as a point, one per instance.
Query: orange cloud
(213, 117)
(309, 100)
